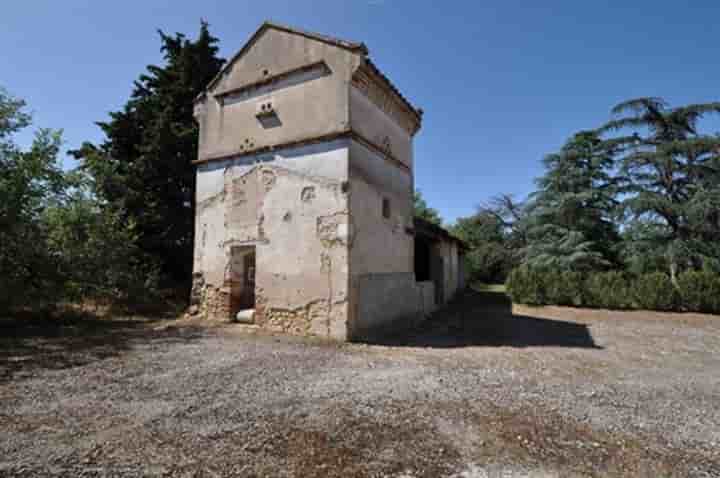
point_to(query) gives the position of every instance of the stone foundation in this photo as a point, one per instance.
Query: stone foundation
(317, 318)
(211, 302)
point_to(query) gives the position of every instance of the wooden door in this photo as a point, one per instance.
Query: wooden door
(249, 281)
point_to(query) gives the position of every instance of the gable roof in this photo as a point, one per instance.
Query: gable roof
(345, 44)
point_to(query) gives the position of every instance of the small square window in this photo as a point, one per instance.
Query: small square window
(386, 208)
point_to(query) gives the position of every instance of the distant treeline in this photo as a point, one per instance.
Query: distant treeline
(639, 195)
(120, 226)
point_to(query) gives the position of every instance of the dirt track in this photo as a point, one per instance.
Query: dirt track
(478, 392)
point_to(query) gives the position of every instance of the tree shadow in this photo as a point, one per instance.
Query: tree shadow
(30, 342)
(486, 318)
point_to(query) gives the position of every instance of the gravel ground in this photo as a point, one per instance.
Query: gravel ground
(479, 391)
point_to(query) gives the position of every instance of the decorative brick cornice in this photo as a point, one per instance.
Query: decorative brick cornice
(319, 66)
(379, 149)
(370, 81)
(268, 149)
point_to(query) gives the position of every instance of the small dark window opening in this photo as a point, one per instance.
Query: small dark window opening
(386, 208)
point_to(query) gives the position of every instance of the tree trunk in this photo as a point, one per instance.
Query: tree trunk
(673, 272)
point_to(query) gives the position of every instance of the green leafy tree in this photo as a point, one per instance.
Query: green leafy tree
(423, 211)
(672, 180)
(488, 259)
(58, 240)
(495, 237)
(30, 181)
(96, 248)
(572, 213)
(512, 216)
(143, 170)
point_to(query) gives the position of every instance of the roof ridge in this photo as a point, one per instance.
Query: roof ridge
(348, 44)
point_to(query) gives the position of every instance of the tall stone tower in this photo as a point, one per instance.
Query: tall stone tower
(304, 190)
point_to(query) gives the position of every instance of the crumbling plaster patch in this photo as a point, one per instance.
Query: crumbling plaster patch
(212, 302)
(334, 229)
(295, 301)
(307, 194)
(295, 212)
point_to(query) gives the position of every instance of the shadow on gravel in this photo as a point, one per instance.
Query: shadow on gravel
(486, 319)
(29, 342)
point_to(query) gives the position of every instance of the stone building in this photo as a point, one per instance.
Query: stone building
(304, 194)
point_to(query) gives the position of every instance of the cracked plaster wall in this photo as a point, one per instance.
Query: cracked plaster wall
(327, 261)
(292, 206)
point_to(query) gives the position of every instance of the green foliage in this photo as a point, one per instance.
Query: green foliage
(58, 241)
(29, 182)
(489, 259)
(608, 290)
(560, 248)
(544, 286)
(494, 235)
(655, 291)
(526, 285)
(143, 171)
(487, 262)
(423, 211)
(564, 287)
(671, 177)
(571, 214)
(700, 291)
(97, 252)
(639, 249)
(643, 203)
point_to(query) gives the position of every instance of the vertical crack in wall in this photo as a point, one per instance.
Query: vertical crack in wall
(326, 267)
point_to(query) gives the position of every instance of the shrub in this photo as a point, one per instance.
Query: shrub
(654, 291)
(700, 291)
(564, 287)
(697, 291)
(488, 262)
(551, 281)
(527, 286)
(608, 290)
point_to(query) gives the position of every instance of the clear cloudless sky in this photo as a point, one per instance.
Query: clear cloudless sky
(502, 83)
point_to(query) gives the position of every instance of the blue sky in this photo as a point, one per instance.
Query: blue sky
(502, 82)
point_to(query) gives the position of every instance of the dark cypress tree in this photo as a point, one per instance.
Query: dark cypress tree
(144, 167)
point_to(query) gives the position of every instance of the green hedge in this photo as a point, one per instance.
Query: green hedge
(700, 291)
(695, 291)
(609, 290)
(655, 291)
(528, 286)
